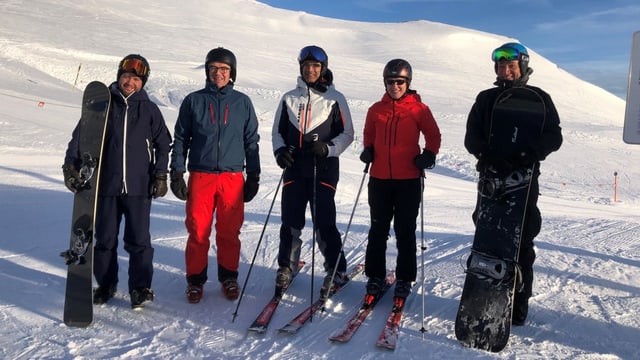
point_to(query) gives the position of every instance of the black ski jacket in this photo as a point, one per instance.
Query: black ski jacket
(479, 121)
(136, 145)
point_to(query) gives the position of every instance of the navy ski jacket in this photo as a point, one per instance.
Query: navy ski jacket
(136, 145)
(217, 131)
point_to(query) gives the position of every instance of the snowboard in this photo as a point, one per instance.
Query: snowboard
(78, 301)
(484, 315)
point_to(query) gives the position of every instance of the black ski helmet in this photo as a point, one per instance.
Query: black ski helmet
(512, 51)
(395, 67)
(222, 55)
(314, 53)
(134, 64)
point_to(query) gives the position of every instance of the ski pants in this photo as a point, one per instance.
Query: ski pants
(220, 194)
(296, 194)
(137, 240)
(531, 229)
(397, 200)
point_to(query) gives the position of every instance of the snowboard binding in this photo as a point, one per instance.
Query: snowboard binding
(491, 185)
(76, 254)
(89, 164)
(496, 271)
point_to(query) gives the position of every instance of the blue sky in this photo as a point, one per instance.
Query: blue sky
(589, 38)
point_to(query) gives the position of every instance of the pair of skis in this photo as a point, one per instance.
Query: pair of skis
(261, 323)
(389, 335)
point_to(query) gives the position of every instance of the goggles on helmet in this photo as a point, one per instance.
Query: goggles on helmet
(505, 53)
(135, 65)
(312, 53)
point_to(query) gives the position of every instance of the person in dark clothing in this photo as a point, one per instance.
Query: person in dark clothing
(512, 70)
(312, 127)
(216, 136)
(134, 169)
(391, 141)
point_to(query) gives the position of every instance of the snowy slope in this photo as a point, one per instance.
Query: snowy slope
(586, 289)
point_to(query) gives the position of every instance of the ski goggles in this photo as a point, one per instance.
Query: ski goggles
(507, 53)
(136, 66)
(312, 53)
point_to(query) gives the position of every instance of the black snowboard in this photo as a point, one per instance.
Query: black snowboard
(484, 315)
(78, 302)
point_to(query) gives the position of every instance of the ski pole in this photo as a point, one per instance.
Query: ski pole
(422, 247)
(235, 314)
(346, 232)
(313, 221)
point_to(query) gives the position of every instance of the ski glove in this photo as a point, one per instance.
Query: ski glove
(158, 186)
(316, 148)
(71, 177)
(426, 160)
(251, 185)
(284, 159)
(500, 167)
(178, 186)
(367, 155)
(527, 157)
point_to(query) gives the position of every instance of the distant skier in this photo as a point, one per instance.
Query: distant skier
(391, 140)
(133, 170)
(512, 69)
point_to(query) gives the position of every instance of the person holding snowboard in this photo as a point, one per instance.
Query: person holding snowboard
(391, 141)
(216, 136)
(511, 65)
(134, 169)
(312, 127)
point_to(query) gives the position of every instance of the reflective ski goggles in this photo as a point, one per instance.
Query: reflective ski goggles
(312, 53)
(507, 53)
(136, 66)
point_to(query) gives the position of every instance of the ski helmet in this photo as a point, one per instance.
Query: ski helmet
(134, 64)
(222, 55)
(314, 53)
(394, 69)
(509, 52)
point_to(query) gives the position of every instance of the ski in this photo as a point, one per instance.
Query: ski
(352, 325)
(262, 321)
(389, 335)
(297, 322)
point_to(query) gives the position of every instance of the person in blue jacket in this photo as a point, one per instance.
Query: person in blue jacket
(216, 136)
(135, 158)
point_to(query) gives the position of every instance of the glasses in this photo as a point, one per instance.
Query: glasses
(223, 70)
(312, 52)
(399, 82)
(136, 65)
(508, 54)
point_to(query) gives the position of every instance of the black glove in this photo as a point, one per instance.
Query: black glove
(316, 148)
(284, 159)
(501, 167)
(527, 158)
(426, 160)
(71, 177)
(158, 187)
(251, 185)
(178, 186)
(367, 155)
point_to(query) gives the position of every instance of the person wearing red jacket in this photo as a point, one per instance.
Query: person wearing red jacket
(392, 145)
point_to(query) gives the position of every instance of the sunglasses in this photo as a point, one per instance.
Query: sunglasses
(312, 52)
(395, 82)
(223, 70)
(135, 65)
(508, 54)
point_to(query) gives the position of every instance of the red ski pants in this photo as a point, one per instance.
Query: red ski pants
(221, 194)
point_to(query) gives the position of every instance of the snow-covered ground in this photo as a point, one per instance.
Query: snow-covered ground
(585, 303)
